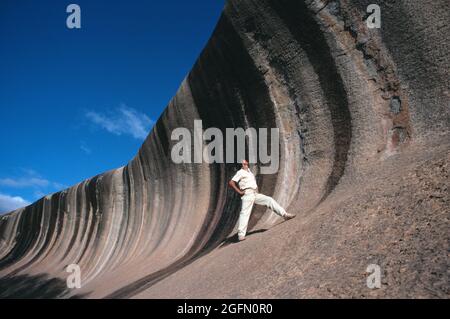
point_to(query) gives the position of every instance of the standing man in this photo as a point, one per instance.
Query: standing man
(248, 189)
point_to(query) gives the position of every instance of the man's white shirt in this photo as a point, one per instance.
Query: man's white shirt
(245, 179)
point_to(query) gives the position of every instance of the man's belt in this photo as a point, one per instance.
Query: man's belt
(250, 190)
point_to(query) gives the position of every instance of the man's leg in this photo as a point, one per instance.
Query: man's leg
(269, 202)
(246, 210)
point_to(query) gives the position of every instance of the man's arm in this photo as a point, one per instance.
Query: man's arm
(234, 186)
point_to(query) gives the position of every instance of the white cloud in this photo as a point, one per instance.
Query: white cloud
(85, 148)
(126, 121)
(30, 172)
(24, 182)
(31, 180)
(10, 203)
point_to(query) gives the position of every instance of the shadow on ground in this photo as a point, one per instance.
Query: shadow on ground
(235, 239)
(35, 287)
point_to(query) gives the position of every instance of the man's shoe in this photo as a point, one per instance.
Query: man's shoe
(289, 216)
(242, 238)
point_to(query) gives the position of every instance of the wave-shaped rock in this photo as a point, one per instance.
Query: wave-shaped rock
(357, 108)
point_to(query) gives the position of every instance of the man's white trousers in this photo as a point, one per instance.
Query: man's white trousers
(248, 201)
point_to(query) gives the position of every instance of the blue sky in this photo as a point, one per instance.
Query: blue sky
(76, 103)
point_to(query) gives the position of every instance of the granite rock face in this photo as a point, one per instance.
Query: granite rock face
(364, 158)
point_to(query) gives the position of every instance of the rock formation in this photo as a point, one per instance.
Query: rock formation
(364, 158)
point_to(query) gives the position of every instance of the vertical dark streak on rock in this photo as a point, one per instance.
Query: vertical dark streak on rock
(306, 31)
